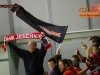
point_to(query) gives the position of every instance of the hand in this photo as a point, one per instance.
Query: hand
(15, 13)
(77, 52)
(58, 51)
(84, 46)
(43, 33)
(4, 39)
(88, 62)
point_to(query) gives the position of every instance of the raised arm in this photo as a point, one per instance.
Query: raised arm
(84, 46)
(58, 51)
(88, 52)
(77, 52)
(20, 52)
(82, 72)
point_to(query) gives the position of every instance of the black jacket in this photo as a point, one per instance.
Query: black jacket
(57, 71)
(33, 62)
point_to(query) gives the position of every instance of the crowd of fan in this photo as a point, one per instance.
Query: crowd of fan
(59, 66)
(33, 59)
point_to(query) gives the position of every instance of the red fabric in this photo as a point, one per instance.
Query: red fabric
(89, 66)
(70, 71)
(96, 74)
(3, 47)
(95, 58)
(96, 61)
(77, 69)
(48, 46)
(84, 60)
(33, 35)
(46, 43)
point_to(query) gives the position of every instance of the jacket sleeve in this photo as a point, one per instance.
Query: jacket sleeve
(18, 51)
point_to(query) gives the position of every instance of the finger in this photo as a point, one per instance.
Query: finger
(43, 33)
(58, 49)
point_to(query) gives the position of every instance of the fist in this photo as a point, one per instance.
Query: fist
(84, 46)
(43, 33)
(58, 51)
(77, 52)
(5, 39)
(15, 13)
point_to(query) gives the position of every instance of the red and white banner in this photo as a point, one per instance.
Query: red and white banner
(33, 35)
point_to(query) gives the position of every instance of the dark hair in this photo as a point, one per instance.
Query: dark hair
(57, 57)
(96, 43)
(75, 56)
(70, 62)
(94, 37)
(52, 59)
(64, 61)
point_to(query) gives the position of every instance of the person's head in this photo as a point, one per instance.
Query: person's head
(63, 64)
(93, 38)
(70, 62)
(52, 63)
(75, 60)
(95, 46)
(57, 57)
(32, 46)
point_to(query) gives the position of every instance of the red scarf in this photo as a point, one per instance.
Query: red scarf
(33, 35)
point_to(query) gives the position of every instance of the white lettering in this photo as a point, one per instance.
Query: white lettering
(40, 36)
(51, 32)
(27, 35)
(32, 36)
(23, 36)
(12, 38)
(7, 39)
(35, 36)
(17, 37)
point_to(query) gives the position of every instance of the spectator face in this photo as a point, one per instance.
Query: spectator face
(52, 65)
(96, 50)
(75, 62)
(31, 46)
(61, 66)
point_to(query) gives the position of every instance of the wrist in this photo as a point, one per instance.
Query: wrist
(85, 48)
(42, 37)
(78, 54)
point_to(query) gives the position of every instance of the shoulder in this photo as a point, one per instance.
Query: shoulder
(71, 71)
(57, 71)
(78, 69)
